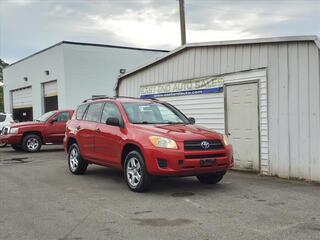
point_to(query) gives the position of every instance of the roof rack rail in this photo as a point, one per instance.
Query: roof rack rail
(126, 97)
(137, 98)
(96, 97)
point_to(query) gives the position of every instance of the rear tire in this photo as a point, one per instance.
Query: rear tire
(17, 148)
(31, 143)
(77, 165)
(211, 178)
(135, 172)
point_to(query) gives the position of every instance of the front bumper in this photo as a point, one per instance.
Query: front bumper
(14, 139)
(187, 163)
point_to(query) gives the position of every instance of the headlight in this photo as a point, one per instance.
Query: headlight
(225, 140)
(14, 130)
(163, 142)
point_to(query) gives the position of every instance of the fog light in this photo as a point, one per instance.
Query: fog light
(162, 163)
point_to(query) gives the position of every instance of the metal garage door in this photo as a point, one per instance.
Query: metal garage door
(22, 98)
(50, 89)
(22, 104)
(50, 96)
(207, 109)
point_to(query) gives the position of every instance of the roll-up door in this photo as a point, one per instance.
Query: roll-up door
(22, 104)
(207, 109)
(50, 94)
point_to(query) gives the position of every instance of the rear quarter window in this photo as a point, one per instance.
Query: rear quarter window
(80, 111)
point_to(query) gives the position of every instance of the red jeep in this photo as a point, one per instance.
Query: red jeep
(144, 138)
(29, 136)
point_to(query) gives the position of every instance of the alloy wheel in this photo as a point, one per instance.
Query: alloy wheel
(32, 144)
(134, 172)
(74, 159)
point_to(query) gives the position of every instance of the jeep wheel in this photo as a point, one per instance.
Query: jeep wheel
(77, 165)
(31, 143)
(135, 172)
(211, 178)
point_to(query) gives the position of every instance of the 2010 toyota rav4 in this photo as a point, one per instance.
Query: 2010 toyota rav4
(144, 138)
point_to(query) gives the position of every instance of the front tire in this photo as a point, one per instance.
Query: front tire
(211, 178)
(77, 165)
(135, 172)
(31, 143)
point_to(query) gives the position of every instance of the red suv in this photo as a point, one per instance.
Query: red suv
(29, 136)
(144, 138)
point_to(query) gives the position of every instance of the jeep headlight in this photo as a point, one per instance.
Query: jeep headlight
(163, 142)
(14, 130)
(225, 140)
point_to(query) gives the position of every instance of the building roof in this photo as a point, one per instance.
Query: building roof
(88, 44)
(225, 43)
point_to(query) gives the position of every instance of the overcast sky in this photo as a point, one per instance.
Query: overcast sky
(27, 26)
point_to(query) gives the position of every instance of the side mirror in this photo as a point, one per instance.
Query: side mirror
(192, 120)
(113, 121)
(52, 121)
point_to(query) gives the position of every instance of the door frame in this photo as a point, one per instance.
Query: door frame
(225, 85)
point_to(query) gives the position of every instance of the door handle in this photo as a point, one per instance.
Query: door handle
(78, 127)
(98, 130)
(228, 134)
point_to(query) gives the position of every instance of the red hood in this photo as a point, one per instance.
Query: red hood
(180, 132)
(25, 124)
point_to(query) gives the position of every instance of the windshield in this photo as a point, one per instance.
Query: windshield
(153, 113)
(45, 116)
(2, 117)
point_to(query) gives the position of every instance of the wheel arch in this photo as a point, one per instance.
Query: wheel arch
(71, 141)
(32, 132)
(128, 147)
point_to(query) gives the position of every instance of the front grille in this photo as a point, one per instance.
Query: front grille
(5, 131)
(196, 145)
(204, 156)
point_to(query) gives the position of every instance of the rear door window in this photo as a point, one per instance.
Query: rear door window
(80, 111)
(94, 112)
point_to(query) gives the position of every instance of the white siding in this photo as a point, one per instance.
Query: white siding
(93, 70)
(293, 90)
(34, 69)
(207, 109)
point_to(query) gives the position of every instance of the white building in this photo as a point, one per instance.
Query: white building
(263, 93)
(65, 74)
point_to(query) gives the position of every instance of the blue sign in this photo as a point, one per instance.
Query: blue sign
(181, 88)
(182, 93)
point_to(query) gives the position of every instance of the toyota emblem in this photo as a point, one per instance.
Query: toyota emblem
(205, 144)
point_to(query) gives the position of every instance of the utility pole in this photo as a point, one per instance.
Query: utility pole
(182, 22)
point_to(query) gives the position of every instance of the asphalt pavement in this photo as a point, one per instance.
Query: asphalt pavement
(40, 199)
